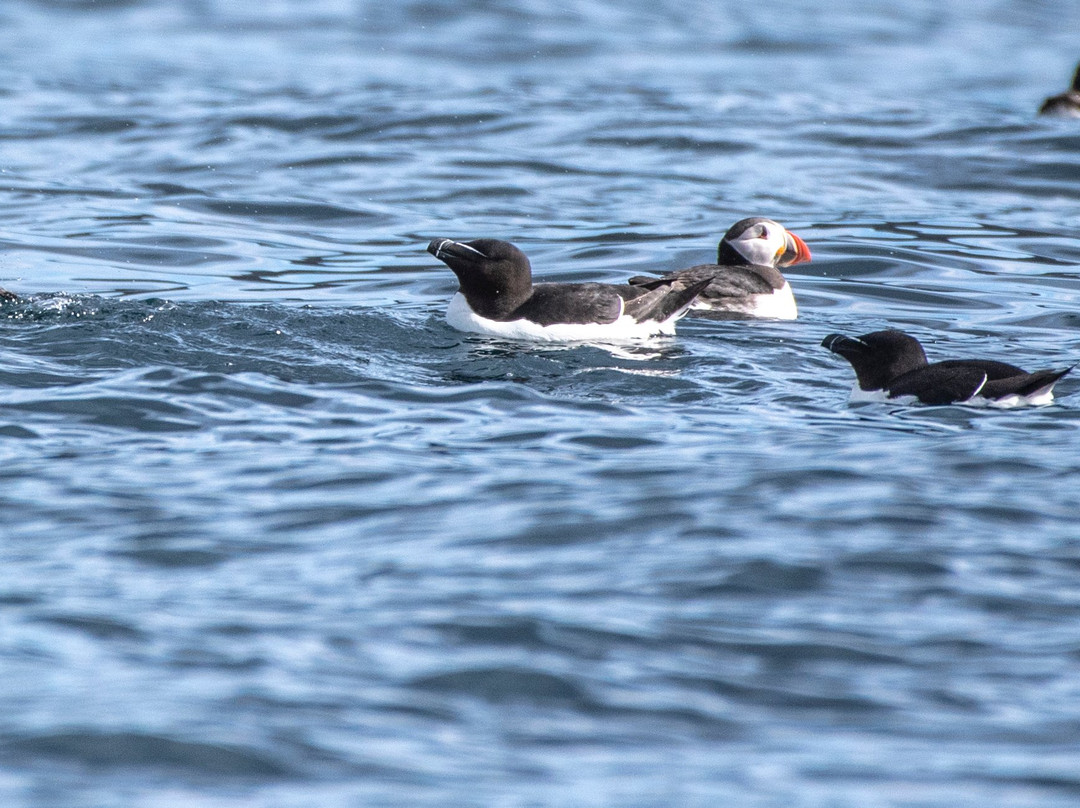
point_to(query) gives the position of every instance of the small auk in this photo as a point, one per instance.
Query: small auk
(1067, 104)
(746, 280)
(891, 366)
(497, 297)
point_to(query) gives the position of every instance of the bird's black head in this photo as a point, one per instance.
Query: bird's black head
(495, 276)
(878, 357)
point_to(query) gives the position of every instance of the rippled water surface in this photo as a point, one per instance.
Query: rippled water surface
(273, 534)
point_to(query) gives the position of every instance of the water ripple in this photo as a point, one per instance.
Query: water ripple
(275, 532)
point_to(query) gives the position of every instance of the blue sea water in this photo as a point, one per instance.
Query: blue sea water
(272, 534)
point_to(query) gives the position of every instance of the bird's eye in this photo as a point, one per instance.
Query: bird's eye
(764, 233)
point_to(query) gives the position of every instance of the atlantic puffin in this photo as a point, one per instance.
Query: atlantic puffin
(891, 365)
(497, 297)
(1067, 104)
(745, 281)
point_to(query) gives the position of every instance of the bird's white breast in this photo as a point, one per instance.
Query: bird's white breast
(460, 316)
(776, 305)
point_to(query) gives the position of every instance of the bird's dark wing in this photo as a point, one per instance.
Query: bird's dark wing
(724, 281)
(1025, 384)
(993, 370)
(671, 298)
(939, 383)
(576, 303)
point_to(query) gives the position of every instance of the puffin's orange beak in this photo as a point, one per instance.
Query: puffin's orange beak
(796, 253)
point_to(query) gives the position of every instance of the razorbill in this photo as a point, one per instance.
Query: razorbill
(497, 296)
(891, 365)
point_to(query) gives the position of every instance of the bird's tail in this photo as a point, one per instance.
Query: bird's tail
(1041, 382)
(664, 303)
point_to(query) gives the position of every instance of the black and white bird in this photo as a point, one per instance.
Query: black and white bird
(746, 280)
(497, 296)
(1067, 104)
(891, 366)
